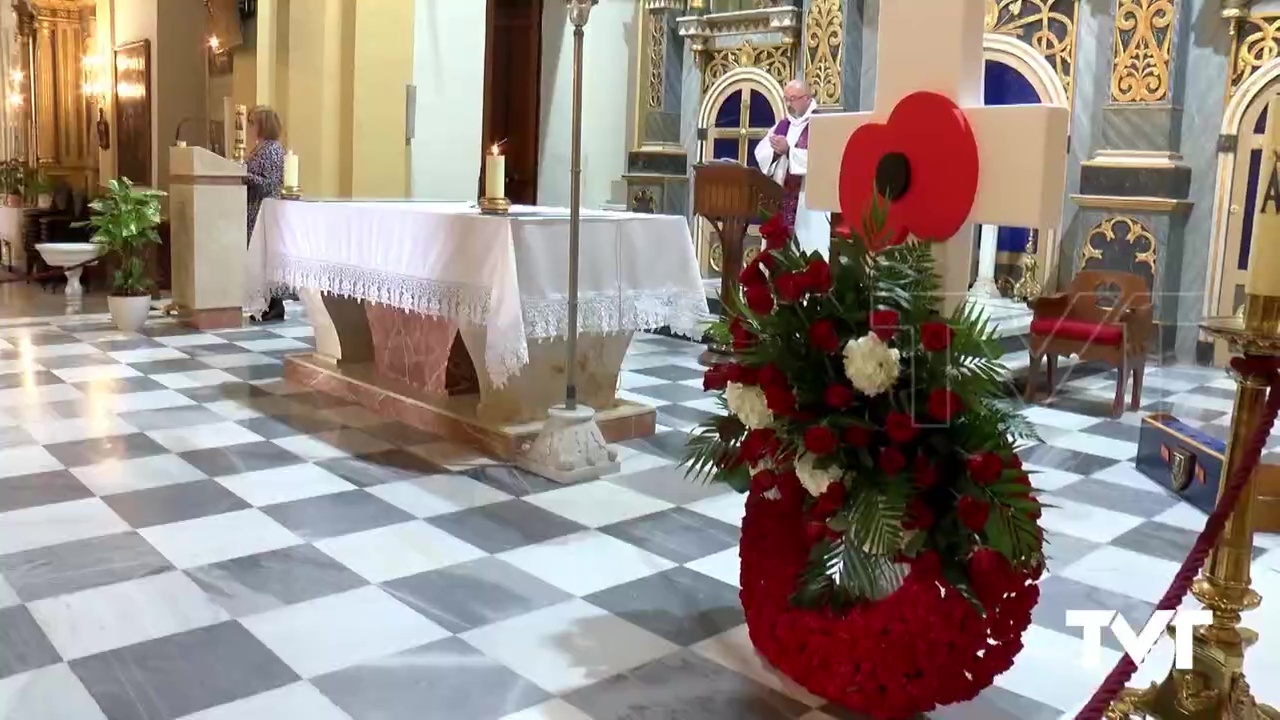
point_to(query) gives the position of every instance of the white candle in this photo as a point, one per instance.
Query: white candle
(291, 170)
(1264, 253)
(495, 174)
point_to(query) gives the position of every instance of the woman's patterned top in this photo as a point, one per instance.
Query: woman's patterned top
(264, 168)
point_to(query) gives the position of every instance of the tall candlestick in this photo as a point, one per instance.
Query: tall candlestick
(290, 170)
(495, 174)
(242, 143)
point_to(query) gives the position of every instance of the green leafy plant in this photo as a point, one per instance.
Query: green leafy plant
(37, 183)
(13, 177)
(124, 223)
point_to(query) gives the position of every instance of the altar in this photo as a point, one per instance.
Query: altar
(454, 322)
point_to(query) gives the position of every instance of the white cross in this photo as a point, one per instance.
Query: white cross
(936, 45)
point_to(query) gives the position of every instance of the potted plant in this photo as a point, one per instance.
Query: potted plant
(124, 224)
(39, 190)
(13, 176)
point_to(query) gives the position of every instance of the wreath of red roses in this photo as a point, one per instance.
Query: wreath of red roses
(923, 646)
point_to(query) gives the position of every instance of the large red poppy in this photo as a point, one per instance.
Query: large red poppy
(923, 159)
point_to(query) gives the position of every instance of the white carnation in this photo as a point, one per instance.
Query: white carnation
(749, 405)
(814, 480)
(871, 365)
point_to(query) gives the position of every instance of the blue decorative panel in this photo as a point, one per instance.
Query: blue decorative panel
(725, 148)
(730, 113)
(1003, 85)
(1260, 127)
(760, 111)
(1250, 204)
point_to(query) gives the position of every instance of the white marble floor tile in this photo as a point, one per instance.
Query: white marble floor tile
(1098, 445)
(725, 507)
(1084, 521)
(186, 439)
(50, 693)
(206, 540)
(397, 551)
(438, 494)
(1123, 571)
(274, 345)
(238, 360)
(1206, 402)
(58, 523)
(1049, 669)
(140, 401)
(597, 504)
(586, 562)
(551, 710)
(1184, 516)
(568, 646)
(1048, 479)
(332, 444)
(24, 397)
(295, 331)
(26, 460)
(117, 476)
(284, 484)
(99, 425)
(234, 410)
(113, 616)
(147, 355)
(338, 631)
(299, 701)
(1124, 473)
(194, 378)
(452, 455)
(733, 649)
(724, 566)
(8, 598)
(181, 341)
(628, 380)
(1061, 419)
(96, 373)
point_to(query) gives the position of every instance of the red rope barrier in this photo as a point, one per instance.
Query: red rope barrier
(1213, 528)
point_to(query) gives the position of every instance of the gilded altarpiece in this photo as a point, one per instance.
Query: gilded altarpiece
(1048, 26)
(58, 34)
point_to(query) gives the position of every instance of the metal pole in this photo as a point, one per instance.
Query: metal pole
(575, 219)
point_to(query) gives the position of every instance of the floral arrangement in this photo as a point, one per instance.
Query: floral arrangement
(890, 548)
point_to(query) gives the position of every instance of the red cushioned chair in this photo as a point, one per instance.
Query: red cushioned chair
(1104, 316)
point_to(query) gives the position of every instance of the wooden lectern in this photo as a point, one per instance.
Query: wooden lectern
(731, 197)
(208, 217)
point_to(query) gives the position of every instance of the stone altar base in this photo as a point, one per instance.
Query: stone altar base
(417, 369)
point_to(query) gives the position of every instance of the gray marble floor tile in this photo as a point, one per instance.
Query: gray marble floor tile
(120, 386)
(156, 330)
(682, 414)
(23, 645)
(677, 534)
(225, 391)
(1157, 539)
(175, 503)
(381, 468)
(671, 373)
(164, 367)
(474, 594)
(669, 444)
(671, 392)
(81, 564)
(1059, 594)
(273, 427)
(270, 580)
(1115, 430)
(681, 605)
(444, 680)
(220, 348)
(686, 686)
(129, 343)
(237, 459)
(1059, 458)
(77, 361)
(398, 433)
(240, 335)
(510, 480)
(181, 674)
(14, 436)
(668, 482)
(24, 491)
(39, 378)
(1185, 412)
(337, 514)
(505, 526)
(1113, 496)
(96, 450)
(256, 373)
(1061, 550)
(185, 416)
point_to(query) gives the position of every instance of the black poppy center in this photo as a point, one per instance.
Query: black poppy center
(893, 176)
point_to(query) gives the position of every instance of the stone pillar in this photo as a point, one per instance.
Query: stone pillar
(1134, 189)
(985, 286)
(43, 100)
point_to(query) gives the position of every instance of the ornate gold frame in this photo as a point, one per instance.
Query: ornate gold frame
(1032, 22)
(1106, 232)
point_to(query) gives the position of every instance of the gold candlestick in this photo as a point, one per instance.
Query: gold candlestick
(241, 144)
(494, 200)
(291, 192)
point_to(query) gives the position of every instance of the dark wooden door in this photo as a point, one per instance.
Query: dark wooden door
(512, 90)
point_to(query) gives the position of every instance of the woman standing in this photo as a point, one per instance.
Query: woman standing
(264, 174)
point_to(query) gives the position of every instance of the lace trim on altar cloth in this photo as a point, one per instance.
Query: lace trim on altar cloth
(604, 314)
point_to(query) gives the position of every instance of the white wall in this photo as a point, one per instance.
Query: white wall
(448, 70)
(608, 85)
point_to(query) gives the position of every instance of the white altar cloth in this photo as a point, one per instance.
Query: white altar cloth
(508, 274)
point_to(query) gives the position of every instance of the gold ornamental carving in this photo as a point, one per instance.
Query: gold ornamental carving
(1143, 39)
(1256, 44)
(1109, 231)
(823, 43)
(657, 57)
(716, 258)
(773, 59)
(1048, 26)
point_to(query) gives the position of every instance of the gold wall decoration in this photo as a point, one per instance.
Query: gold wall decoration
(59, 35)
(1256, 44)
(773, 59)
(1048, 26)
(823, 42)
(1120, 227)
(657, 56)
(1143, 38)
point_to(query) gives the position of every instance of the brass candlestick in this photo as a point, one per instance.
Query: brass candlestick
(1215, 687)
(291, 192)
(494, 206)
(240, 148)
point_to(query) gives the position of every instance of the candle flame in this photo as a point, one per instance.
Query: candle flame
(496, 149)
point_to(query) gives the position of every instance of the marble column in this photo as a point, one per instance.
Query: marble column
(985, 286)
(1134, 189)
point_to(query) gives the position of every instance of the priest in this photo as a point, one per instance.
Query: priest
(783, 154)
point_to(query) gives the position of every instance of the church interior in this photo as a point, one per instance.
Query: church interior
(347, 514)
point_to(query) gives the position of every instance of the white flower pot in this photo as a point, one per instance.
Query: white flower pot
(129, 313)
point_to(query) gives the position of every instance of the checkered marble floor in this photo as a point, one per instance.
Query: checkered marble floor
(183, 535)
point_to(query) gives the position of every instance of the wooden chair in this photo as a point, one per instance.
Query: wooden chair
(1104, 316)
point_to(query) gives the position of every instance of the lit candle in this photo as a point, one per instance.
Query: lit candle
(1264, 255)
(495, 174)
(291, 170)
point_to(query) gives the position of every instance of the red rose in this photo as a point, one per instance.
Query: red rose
(759, 299)
(892, 461)
(815, 531)
(759, 444)
(821, 440)
(1034, 512)
(935, 336)
(752, 274)
(990, 574)
(973, 512)
(943, 404)
(741, 374)
(830, 501)
(715, 378)
(788, 287)
(780, 399)
(884, 323)
(743, 338)
(775, 232)
(1015, 461)
(919, 516)
(857, 436)
(926, 473)
(985, 468)
(817, 277)
(763, 481)
(927, 565)
(823, 336)
(769, 260)
(771, 376)
(838, 396)
(900, 427)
